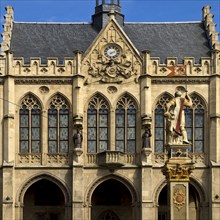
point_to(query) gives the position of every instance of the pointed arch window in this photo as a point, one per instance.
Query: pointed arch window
(195, 121)
(194, 124)
(58, 125)
(160, 124)
(30, 125)
(126, 125)
(98, 124)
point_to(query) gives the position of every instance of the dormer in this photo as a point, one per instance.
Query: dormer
(102, 9)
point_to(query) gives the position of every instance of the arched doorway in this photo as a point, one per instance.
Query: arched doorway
(44, 200)
(111, 200)
(194, 204)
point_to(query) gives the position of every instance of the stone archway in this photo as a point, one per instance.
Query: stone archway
(44, 200)
(194, 204)
(111, 200)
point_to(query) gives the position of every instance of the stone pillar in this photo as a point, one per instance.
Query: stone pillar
(177, 171)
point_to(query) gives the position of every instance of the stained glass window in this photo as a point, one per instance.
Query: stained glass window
(58, 125)
(30, 125)
(160, 124)
(195, 124)
(98, 125)
(125, 121)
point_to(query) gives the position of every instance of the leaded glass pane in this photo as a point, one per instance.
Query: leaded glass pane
(120, 120)
(131, 120)
(63, 146)
(35, 120)
(64, 110)
(159, 120)
(52, 120)
(24, 133)
(103, 146)
(159, 146)
(190, 148)
(91, 133)
(131, 110)
(131, 133)
(92, 120)
(35, 133)
(64, 120)
(52, 133)
(63, 133)
(120, 111)
(188, 117)
(35, 148)
(23, 120)
(91, 146)
(120, 133)
(24, 146)
(199, 120)
(198, 133)
(120, 146)
(159, 133)
(131, 146)
(52, 147)
(103, 133)
(103, 120)
(189, 133)
(199, 146)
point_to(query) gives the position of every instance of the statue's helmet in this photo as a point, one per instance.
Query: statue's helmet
(178, 93)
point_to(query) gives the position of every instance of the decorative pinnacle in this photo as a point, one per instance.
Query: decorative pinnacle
(112, 14)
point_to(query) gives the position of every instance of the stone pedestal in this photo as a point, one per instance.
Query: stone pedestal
(177, 171)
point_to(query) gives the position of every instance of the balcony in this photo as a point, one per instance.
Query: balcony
(110, 159)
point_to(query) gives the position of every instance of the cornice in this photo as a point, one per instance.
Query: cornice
(180, 80)
(43, 81)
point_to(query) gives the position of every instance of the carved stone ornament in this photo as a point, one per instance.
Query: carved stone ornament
(112, 59)
(177, 171)
(179, 198)
(44, 89)
(112, 89)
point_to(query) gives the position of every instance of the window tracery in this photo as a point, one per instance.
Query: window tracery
(30, 125)
(160, 123)
(98, 124)
(126, 125)
(58, 125)
(194, 124)
(195, 120)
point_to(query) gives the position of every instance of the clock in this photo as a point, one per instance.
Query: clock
(112, 51)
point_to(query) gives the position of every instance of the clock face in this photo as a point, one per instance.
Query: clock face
(112, 51)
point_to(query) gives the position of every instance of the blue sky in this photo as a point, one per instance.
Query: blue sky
(134, 10)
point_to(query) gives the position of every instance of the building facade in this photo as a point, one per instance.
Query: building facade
(83, 132)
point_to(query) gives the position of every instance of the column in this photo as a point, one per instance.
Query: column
(177, 171)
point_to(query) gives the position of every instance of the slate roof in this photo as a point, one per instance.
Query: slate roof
(60, 39)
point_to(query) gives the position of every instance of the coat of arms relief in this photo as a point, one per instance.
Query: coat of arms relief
(112, 59)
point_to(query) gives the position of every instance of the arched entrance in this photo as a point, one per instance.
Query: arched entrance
(44, 200)
(194, 204)
(111, 200)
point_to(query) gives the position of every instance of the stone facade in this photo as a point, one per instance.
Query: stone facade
(81, 179)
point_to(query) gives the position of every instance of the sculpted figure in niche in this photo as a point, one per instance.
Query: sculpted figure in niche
(176, 132)
(77, 139)
(146, 138)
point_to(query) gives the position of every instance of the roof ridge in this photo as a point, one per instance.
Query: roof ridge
(24, 22)
(169, 22)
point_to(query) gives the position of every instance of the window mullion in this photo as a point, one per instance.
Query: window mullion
(193, 130)
(58, 130)
(97, 131)
(29, 131)
(125, 130)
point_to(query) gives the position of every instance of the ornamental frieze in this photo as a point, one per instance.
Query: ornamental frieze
(42, 81)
